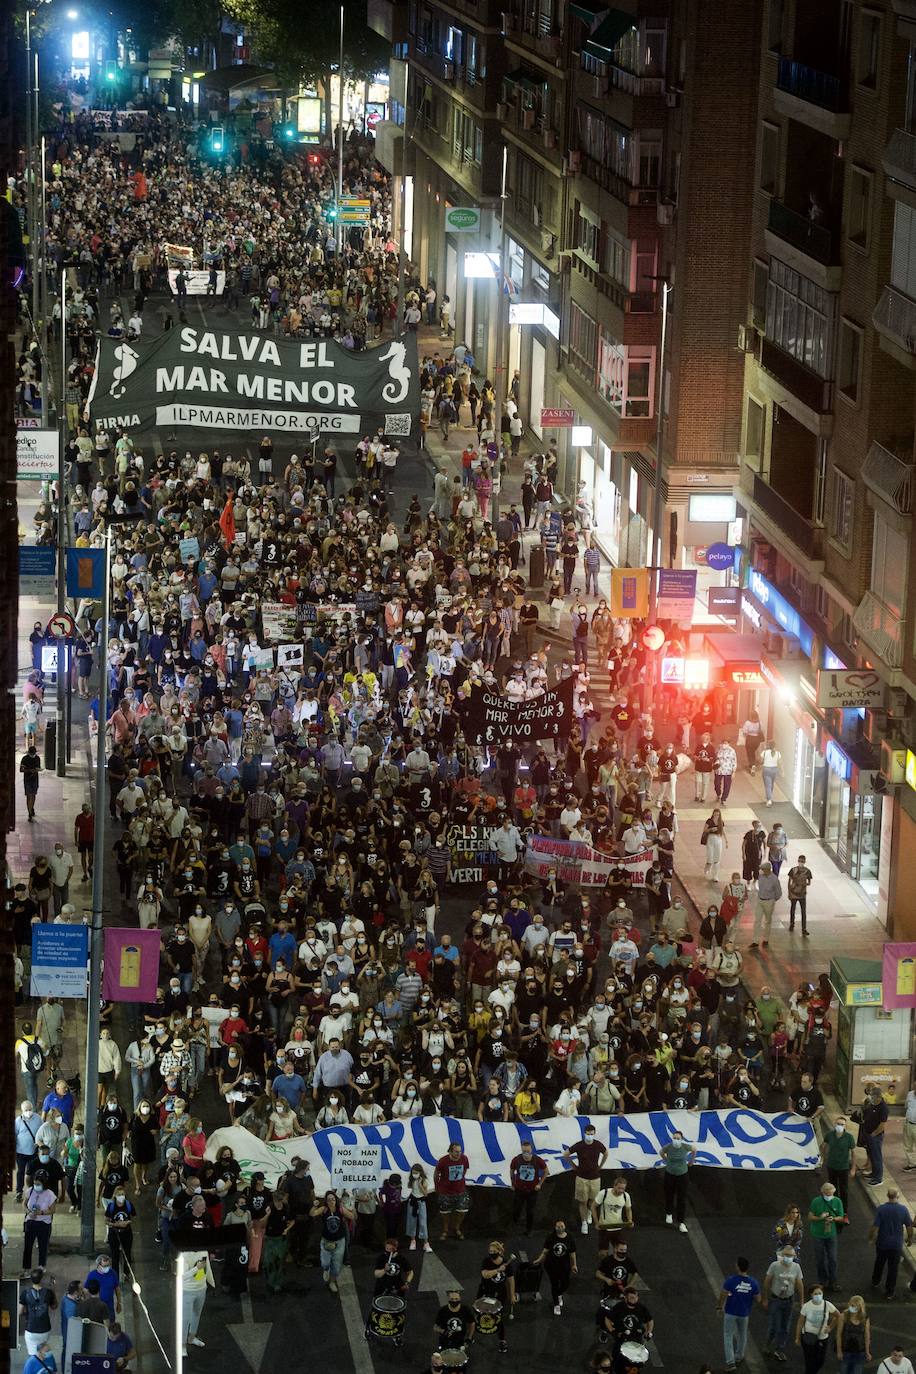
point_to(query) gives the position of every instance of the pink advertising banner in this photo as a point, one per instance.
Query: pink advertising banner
(899, 975)
(131, 970)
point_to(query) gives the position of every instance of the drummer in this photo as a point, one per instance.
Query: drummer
(454, 1325)
(497, 1282)
(393, 1273)
(615, 1272)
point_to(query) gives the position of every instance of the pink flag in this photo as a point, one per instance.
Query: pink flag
(131, 968)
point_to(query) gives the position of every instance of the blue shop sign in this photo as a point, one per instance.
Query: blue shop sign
(785, 614)
(837, 761)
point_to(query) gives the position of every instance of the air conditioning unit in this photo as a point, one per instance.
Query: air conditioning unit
(528, 119)
(550, 138)
(502, 111)
(575, 160)
(448, 70)
(548, 243)
(893, 760)
(747, 338)
(664, 211)
(672, 99)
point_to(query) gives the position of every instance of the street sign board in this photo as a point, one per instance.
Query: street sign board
(720, 557)
(59, 958)
(850, 688)
(462, 219)
(37, 454)
(553, 418)
(37, 566)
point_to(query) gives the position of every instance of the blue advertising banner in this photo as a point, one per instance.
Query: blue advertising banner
(59, 958)
(85, 572)
(37, 566)
(677, 590)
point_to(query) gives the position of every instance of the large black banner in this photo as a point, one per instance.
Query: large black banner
(491, 718)
(198, 379)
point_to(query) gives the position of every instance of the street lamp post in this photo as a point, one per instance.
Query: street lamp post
(655, 553)
(63, 681)
(502, 308)
(340, 132)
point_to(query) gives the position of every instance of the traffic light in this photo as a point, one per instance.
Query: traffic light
(216, 138)
(289, 132)
(111, 70)
(332, 211)
(314, 159)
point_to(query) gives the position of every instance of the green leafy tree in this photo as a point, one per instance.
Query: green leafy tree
(303, 45)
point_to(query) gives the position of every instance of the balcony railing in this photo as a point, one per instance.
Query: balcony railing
(890, 477)
(803, 534)
(895, 317)
(881, 628)
(899, 158)
(814, 240)
(816, 87)
(812, 390)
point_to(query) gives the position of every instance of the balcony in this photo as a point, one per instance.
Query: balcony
(801, 532)
(894, 317)
(813, 392)
(812, 97)
(813, 249)
(899, 160)
(880, 628)
(890, 477)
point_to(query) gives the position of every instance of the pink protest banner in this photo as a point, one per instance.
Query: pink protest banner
(131, 969)
(576, 862)
(898, 981)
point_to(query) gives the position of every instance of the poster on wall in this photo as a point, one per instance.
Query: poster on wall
(898, 974)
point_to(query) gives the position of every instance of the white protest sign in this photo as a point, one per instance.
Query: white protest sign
(356, 1166)
(739, 1138)
(289, 655)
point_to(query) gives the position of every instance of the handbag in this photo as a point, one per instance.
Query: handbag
(729, 908)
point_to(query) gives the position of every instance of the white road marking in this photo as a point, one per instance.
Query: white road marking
(703, 1251)
(355, 1323)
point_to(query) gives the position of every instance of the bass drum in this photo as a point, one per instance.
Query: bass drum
(387, 1319)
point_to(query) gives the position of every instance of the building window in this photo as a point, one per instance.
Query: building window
(540, 277)
(776, 22)
(868, 55)
(849, 367)
(858, 217)
(821, 603)
(903, 254)
(588, 239)
(841, 515)
(583, 341)
(639, 383)
(800, 317)
(454, 43)
(769, 157)
(759, 282)
(616, 258)
(890, 556)
(753, 439)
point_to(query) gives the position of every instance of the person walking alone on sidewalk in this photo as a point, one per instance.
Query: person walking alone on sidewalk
(704, 761)
(892, 1226)
(736, 1300)
(770, 759)
(798, 880)
(769, 891)
(726, 767)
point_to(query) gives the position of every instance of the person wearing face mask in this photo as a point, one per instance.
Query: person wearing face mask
(782, 1284)
(612, 1212)
(454, 1325)
(677, 1156)
(587, 1157)
(817, 1320)
(333, 1113)
(558, 1256)
(119, 1216)
(839, 1154)
(826, 1215)
(497, 1283)
(143, 1140)
(853, 1336)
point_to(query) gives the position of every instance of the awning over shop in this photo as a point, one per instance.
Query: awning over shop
(611, 29)
(739, 657)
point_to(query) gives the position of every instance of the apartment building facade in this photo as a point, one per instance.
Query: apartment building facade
(827, 447)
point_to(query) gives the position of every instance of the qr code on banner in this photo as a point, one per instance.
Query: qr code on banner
(397, 424)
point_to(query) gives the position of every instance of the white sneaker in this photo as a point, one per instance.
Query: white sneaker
(683, 1228)
(561, 1299)
(584, 1228)
(412, 1245)
(557, 1310)
(427, 1247)
(669, 1219)
(195, 1340)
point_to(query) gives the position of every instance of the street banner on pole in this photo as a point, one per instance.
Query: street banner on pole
(629, 591)
(131, 965)
(60, 954)
(677, 590)
(85, 573)
(898, 983)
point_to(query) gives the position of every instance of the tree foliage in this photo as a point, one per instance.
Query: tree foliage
(302, 43)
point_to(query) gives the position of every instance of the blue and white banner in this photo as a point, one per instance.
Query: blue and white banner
(60, 954)
(735, 1139)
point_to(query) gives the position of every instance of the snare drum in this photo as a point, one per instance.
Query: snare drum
(489, 1316)
(387, 1319)
(454, 1359)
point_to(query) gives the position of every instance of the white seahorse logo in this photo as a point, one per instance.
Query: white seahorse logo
(398, 371)
(127, 363)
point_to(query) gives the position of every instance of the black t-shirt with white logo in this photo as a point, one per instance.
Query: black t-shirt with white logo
(807, 1101)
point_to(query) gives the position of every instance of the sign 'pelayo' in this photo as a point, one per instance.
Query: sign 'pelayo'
(199, 379)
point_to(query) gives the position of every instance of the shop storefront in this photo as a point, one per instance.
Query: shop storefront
(874, 1043)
